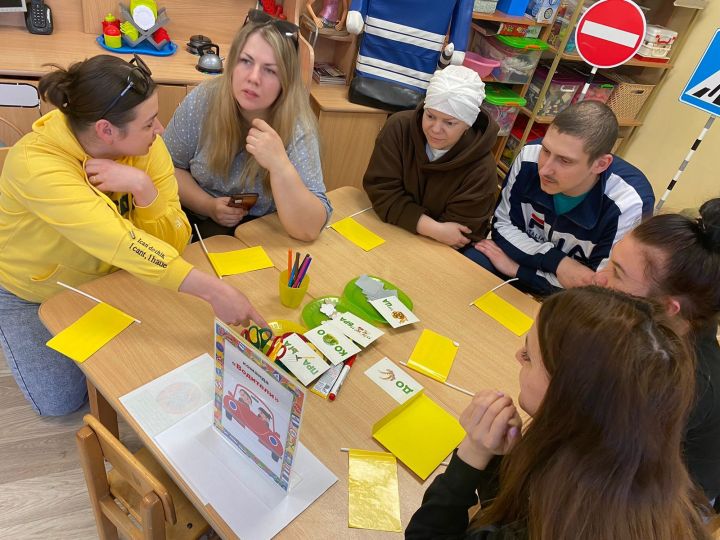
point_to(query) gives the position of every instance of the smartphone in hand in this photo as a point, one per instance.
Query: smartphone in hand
(243, 200)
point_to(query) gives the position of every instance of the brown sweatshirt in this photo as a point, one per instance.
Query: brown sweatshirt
(461, 186)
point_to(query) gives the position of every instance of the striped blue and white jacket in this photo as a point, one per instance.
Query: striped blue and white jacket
(526, 227)
(403, 39)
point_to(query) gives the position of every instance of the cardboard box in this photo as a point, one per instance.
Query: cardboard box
(542, 10)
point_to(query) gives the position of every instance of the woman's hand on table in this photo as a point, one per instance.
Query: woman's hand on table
(452, 234)
(222, 214)
(230, 305)
(492, 425)
(447, 232)
(112, 177)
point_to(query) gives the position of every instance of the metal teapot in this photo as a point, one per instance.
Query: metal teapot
(210, 61)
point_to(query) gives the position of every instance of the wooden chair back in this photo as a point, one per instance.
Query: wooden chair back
(145, 501)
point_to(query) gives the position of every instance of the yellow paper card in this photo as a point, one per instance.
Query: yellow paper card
(240, 260)
(433, 355)
(374, 496)
(504, 313)
(85, 336)
(419, 433)
(358, 234)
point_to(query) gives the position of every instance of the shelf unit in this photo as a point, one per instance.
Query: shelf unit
(662, 12)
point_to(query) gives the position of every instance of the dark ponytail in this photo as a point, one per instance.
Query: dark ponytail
(689, 268)
(85, 89)
(709, 225)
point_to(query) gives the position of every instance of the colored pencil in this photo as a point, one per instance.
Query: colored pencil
(295, 269)
(289, 262)
(300, 272)
(303, 271)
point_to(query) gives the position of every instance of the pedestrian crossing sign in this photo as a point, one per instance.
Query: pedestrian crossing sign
(703, 88)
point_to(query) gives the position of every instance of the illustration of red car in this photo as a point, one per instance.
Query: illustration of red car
(238, 404)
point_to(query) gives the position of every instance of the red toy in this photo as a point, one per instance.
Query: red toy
(273, 8)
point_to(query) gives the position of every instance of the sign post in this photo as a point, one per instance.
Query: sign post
(609, 34)
(703, 92)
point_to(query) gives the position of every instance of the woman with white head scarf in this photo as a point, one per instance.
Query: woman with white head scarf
(432, 171)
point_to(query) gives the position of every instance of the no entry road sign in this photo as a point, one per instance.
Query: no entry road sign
(610, 33)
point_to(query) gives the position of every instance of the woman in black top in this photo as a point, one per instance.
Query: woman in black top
(675, 260)
(608, 385)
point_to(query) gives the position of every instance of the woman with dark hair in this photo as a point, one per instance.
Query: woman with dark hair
(608, 385)
(675, 260)
(91, 189)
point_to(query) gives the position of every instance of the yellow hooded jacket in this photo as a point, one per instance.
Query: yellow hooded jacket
(56, 226)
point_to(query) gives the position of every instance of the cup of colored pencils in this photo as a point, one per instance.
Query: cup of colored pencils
(294, 281)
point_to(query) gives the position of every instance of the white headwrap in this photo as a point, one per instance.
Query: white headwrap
(457, 91)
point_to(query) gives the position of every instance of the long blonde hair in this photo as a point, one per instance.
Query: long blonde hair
(224, 128)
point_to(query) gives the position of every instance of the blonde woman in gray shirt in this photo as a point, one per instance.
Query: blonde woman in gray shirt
(251, 130)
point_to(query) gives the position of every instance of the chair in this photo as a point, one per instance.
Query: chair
(20, 103)
(136, 497)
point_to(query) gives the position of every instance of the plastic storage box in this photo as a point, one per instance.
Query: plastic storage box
(517, 56)
(482, 66)
(659, 35)
(513, 142)
(485, 6)
(503, 105)
(513, 7)
(561, 27)
(563, 87)
(657, 42)
(601, 88)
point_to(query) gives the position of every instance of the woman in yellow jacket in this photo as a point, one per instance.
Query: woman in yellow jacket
(89, 190)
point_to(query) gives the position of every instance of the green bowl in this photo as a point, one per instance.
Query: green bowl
(312, 316)
(364, 309)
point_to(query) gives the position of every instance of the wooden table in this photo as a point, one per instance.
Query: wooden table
(176, 328)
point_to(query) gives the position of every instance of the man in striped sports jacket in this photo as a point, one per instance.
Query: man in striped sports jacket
(565, 202)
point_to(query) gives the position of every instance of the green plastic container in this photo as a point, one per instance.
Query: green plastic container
(503, 105)
(517, 56)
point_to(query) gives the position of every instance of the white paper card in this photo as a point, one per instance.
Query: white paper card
(361, 332)
(394, 311)
(250, 504)
(161, 403)
(332, 343)
(302, 361)
(394, 380)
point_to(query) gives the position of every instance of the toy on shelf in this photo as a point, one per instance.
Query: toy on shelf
(141, 30)
(143, 33)
(111, 31)
(273, 8)
(331, 15)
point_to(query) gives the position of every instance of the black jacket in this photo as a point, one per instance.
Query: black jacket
(444, 511)
(701, 447)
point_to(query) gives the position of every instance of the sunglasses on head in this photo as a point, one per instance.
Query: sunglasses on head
(138, 79)
(287, 29)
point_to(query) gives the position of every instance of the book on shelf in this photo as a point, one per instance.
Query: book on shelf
(324, 73)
